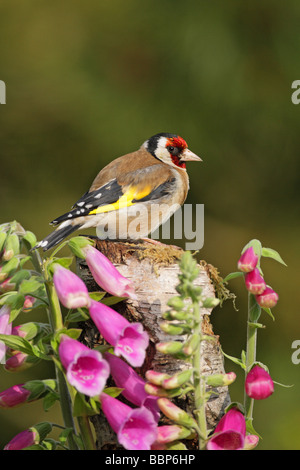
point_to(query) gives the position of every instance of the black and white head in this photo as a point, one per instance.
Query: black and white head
(171, 149)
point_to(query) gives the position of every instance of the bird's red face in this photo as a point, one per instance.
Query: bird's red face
(175, 147)
(170, 149)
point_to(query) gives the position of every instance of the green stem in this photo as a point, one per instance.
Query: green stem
(86, 432)
(199, 381)
(56, 322)
(250, 353)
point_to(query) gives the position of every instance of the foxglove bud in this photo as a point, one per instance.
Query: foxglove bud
(11, 247)
(106, 274)
(9, 268)
(170, 433)
(248, 260)
(169, 347)
(71, 290)
(191, 345)
(14, 396)
(29, 437)
(255, 283)
(161, 392)
(172, 329)
(258, 383)
(156, 378)
(175, 413)
(177, 379)
(268, 298)
(5, 328)
(20, 361)
(220, 380)
(7, 285)
(28, 303)
(210, 302)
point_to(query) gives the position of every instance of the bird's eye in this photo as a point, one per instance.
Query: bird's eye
(171, 149)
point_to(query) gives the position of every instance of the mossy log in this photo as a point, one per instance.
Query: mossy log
(154, 269)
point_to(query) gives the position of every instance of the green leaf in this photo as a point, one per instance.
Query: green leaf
(112, 300)
(28, 286)
(233, 276)
(270, 253)
(243, 357)
(82, 407)
(76, 244)
(2, 239)
(29, 240)
(254, 309)
(9, 268)
(35, 447)
(268, 311)
(249, 427)
(64, 262)
(63, 437)
(113, 391)
(49, 400)
(97, 295)
(237, 361)
(49, 444)
(15, 303)
(36, 388)
(20, 276)
(21, 344)
(74, 317)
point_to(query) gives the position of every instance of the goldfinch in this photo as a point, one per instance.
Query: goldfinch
(122, 197)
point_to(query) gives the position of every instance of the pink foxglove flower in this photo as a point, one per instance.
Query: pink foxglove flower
(24, 439)
(14, 396)
(5, 329)
(268, 298)
(248, 260)
(86, 370)
(129, 339)
(136, 429)
(106, 274)
(71, 290)
(229, 433)
(133, 385)
(255, 283)
(29, 437)
(258, 383)
(20, 361)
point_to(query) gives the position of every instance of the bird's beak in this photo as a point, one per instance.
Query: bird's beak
(188, 156)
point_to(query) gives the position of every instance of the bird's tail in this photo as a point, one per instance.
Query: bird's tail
(57, 236)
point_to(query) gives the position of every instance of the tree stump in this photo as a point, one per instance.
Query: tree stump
(153, 269)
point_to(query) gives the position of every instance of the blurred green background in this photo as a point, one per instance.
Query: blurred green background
(89, 81)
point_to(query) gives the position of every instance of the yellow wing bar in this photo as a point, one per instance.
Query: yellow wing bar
(133, 193)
